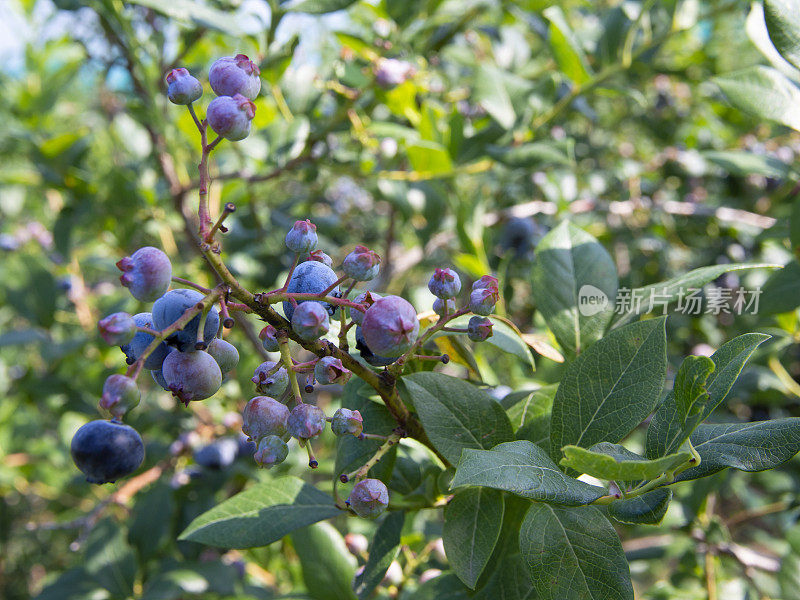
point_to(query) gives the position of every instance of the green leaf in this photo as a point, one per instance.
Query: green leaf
(532, 154)
(328, 567)
(789, 574)
(610, 388)
(429, 157)
(109, 559)
(667, 292)
(781, 291)
(605, 461)
(573, 553)
(319, 7)
(524, 469)
(74, 584)
(534, 414)
(754, 446)
(666, 431)
(261, 514)
(151, 521)
(445, 587)
(505, 337)
(763, 92)
(188, 579)
(574, 282)
(456, 415)
(783, 24)
(491, 94)
(647, 509)
(746, 163)
(198, 13)
(382, 551)
(690, 388)
(472, 522)
(566, 47)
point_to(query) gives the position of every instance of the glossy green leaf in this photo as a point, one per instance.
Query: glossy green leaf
(566, 47)
(198, 13)
(472, 522)
(611, 387)
(188, 578)
(604, 461)
(532, 154)
(690, 388)
(524, 469)
(573, 554)
(429, 157)
(491, 93)
(382, 551)
(666, 431)
(261, 514)
(445, 587)
(781, 292)
(328, 567)
(647, 509)
(456, 415)
(783, 24)
(534, 416)
(505, 337)
(319, 7)
(763, 92)
(746, 163)
(574, 283)
(755, 446)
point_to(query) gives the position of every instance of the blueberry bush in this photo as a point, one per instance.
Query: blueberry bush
(337, 299)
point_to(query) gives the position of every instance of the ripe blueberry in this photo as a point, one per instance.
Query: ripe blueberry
(192, 375)
(273, 384)
(141, 341)
(230, 116)
(218, 454)
(233, 75)
(271, 451)
(369, 498)
(264, 416)
(346, 421)
(182, 88)
(158, 377)
(117, 329)
(362, 264)
(225, 353)
(106, 450)
(367, 354)
(310, 320)
(390, 326)
(479, 329)
(171, 306)
(120, 394)
(444, 283)
(311, 277)
(146, 273)
(391, 72)
(306, 421)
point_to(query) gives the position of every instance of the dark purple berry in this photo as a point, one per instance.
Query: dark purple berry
(264, 416)
(158, 377)
(306, 421)
(330, 370)
(271, 451)
(117, 329)
(171, 306)
(120, 394)
(310, 320)
(444, 283)
(141, 341)
(390, 326)
(192, 375)
(479, 329)
(311, 277)
(369, 498)
(147, 273)
(106, 450)
(225, 353)
(233, 75)
(367, 354)
(230, 116)
(218, 454)
(521, 236)
(347, 422)
(182, 88)
(269, 382)
(302, 237)
(362, 264)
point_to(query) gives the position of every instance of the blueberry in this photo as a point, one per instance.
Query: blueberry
(271, 451)
(120, 394)
(482, 300)
(366, 298)
(230, 116)
(269, 339)
(320, 256)
(147, 273)
(306, 421)
(444, 283)
(310, 320)
(273, 384)
(347, 422)
(369, 498)
(182, 88)
(264, 416)
(362, 264)
(225, 353)
(439, 304)
(486, 282)
(311, 277)
(246, 447)
(218, 454)
(367, 354)
(117, 329)
(192, 375)
(141, 341)
(233, 75)
(479, 329)
(391, 72)
(158, 377)
(331, 370)
(171, 306)
(521, 236)
(302, 237)
(107, 450)
(390, 326)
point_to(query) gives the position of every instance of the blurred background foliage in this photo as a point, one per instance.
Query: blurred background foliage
(513, 116)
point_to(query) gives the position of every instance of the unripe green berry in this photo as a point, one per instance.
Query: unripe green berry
(347, 422)
(120, 394)
(271, 451)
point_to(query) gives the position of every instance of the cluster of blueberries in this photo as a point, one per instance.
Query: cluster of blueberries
(179, 341)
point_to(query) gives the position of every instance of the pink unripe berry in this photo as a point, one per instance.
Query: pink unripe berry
(230, 116)
(182, 88)
(120, 394)
(390, 326)
(264, 416)
(444, 283)
(117, 329)
(362, 264)
(233, 75)
(147, 273)
(302, 237)
(486, 282)
(310, 320)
